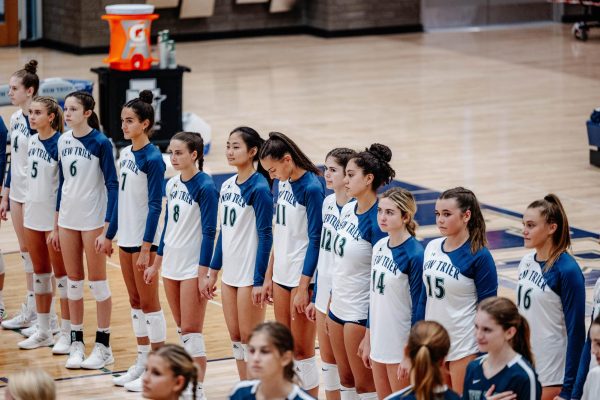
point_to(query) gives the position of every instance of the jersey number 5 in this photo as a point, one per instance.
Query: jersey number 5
(440, 292)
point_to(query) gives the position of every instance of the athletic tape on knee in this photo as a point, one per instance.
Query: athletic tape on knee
(138, 322)
(238, 351)
(74, 290)
(62, 284)
(27, 264)
(245, 347)
(331, 378)
(156, 325)
(193, 343)
(1, 264)
(42, 283)
(100, 290)
(348, 393)
(308, 372)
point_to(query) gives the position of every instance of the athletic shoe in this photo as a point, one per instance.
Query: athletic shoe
(3, 313)
(76, 355)
(62, 343)
(54, 327)
(135, 385)
(38, 339)
(100, 357)
(200, 393)
(133, 373)
(24, 319)
(187, 393)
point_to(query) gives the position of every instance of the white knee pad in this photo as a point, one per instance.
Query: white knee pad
(193, 343)
(138, 322)
(245, 347)
(100, 290)
(62, 284)
(238, 351)
(156, 325)
(331, 378)
(42, 283)
(27, 264)
(1, 264)
(74, 290)
(308, 372)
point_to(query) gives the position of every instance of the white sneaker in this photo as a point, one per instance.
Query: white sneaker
(100, 357)
(200, 393)
(38, 339)
(54, 328)
(187, 393)
(133, 373)
(3, 313)
(24, 319)
(62, 343)
(135, 385)
(76, 355)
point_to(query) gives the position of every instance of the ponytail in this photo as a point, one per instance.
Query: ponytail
(193, 142)
(252, 139)
(407, 205)
(278, 145)
(376, 161)
(466, 201)
(52, 107)
(88, 103)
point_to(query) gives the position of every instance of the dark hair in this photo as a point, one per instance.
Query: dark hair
(281, 338)
(278, 145)
(341, 155)
(252, 139)
(506, 314)
(180, 363)
(405, 201)
(428, 344)
(52, 107)
(467, 201)
(194, 142)
(375, 160)
(553, 212)
(28, 76)
(142, 107)
(88, 103)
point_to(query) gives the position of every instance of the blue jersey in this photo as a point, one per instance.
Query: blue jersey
(298, 223)
(3, 142)
(554, 304)
(587, 361)
(455, 282)
(190, 226)
(246, 235)
(141, 180)
(246, 390)
(442, 393)
(517, 376)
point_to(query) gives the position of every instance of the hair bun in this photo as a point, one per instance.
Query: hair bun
(31, 66)
(381, 151)
(146, 96)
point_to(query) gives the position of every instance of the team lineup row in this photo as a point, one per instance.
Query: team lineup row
(345, 266)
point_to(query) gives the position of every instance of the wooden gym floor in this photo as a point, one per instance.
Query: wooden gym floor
(500, 111)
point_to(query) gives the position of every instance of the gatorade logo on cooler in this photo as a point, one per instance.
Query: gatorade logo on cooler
(137, 33)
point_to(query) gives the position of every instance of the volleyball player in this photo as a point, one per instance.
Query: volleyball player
(588, 361)
(169, 371)
(298, 223)
(87, 199)
(591, 389)
(186, 244)
(551, 295)
(3, 142)
(141, 179)
(458, 273)
(245, 241)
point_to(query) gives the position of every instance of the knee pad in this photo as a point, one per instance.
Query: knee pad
(27, 264)
(100, 290)
(42, 283)
(331, 378)
(74, 289)
(156, 325)
(308, 373)
(62, 285)
(138, 322)
(238, 351)
(193, 343)
(245, 347)
(1, 264)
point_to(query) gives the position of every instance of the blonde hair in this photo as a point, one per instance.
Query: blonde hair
(180, 363)
(52, 107)
(31, 384)
(407, 205)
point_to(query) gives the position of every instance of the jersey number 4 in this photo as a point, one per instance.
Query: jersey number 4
(380, 285)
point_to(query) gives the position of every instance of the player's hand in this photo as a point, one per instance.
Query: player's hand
(311, 312)
(508, 395)
(54, 240)
(107, 247)
(4, 208)
(558, 398)
(150, 274)
(257, 296)
(404, 369)
(143, 259)
(267, 293)
(99, 244)
(301, 300)
(364, 350)
(212, 282)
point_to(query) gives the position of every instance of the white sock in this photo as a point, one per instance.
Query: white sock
(143, 351)
(77, 328)
(368, 396)
(30, 301)
(44, 322)
(65, 326)
(104, 330)
(348, 393)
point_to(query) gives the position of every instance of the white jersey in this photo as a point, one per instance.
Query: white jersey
(90, 186)
(19, 140)
(141, 177)
(42, 181)
(246, 236)
(455, 282)
(297, 231)
(190, 226)
(554, 304)
(331, 218)
(595, 314)
(591, 390)
(353, 248)
(396, 287)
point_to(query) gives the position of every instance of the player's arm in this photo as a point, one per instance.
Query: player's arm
(263, 208)
(415, 283)
(485, 276)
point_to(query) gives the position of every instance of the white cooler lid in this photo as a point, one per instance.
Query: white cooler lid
(130, 9)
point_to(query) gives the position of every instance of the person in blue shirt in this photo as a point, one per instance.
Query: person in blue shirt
(168, 372)
(296, 238)
(271, 363)
(551, 295)
(508, 366)
(426, 350)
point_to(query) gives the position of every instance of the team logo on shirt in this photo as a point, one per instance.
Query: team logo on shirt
(234, 198)
(534, 277)
(76, 152)
(130, 165)
(442, 266)
(386, 262)
(475, 394)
